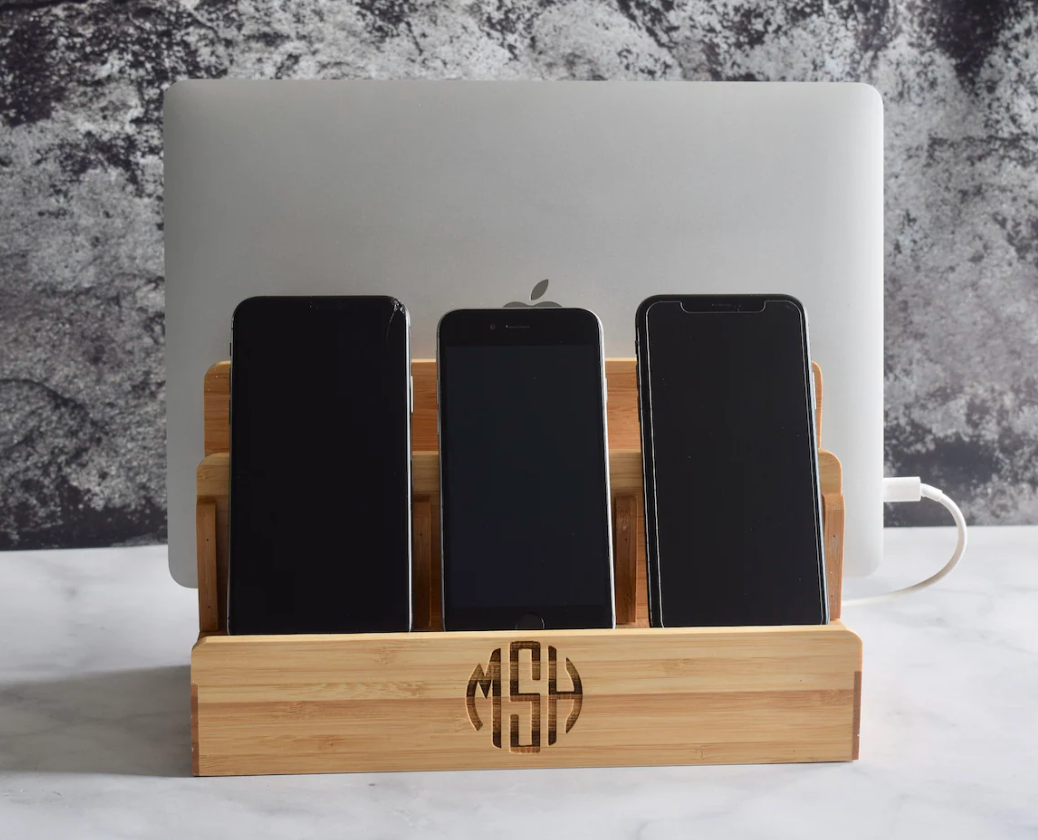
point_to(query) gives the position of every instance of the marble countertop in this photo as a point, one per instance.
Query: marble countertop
(94, 726)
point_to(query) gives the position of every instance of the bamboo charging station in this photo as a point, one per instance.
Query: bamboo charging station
(568, 698)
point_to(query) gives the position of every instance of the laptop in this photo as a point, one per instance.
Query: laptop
(470, 194)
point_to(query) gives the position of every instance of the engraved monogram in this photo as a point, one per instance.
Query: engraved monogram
(489, 682)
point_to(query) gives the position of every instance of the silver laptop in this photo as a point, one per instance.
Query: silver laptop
(469, 194)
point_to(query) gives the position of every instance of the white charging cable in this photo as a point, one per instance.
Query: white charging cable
(912, 490)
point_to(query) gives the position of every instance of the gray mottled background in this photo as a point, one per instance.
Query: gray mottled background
(81, 287)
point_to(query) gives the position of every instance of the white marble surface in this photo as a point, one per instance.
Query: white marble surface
(94, 731)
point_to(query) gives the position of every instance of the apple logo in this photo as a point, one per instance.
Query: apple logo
(538, 292)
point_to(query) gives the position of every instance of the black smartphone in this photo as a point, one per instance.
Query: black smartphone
(320, 496)
(526, 537)
(733, 518)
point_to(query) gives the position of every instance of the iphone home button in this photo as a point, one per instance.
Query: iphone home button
(530, 622)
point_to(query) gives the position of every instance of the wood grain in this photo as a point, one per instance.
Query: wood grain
(306, 704)
(857, 714)
(216, 408)
(622, 406)
(195, 768)
(208, 588)
(421, 562)
(423, 419)
(642, 592)
(830, 472)
(435, 597)
(625, 557)
(212, 482)
(834, 518)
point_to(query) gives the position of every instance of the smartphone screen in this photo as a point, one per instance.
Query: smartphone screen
(320, 504)
(733, 513)
(526, 535)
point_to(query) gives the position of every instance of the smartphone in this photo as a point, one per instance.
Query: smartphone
(733, 517)
(320, 495)
(526, 536)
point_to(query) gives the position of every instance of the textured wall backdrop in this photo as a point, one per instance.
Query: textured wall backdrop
(81, 288)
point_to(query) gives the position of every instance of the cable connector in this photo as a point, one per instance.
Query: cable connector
(911, 489)
(902, 489)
